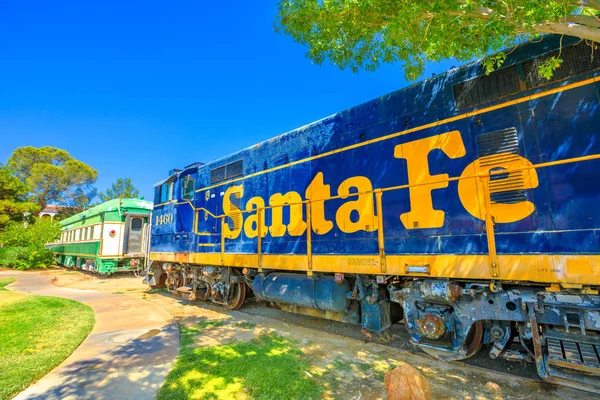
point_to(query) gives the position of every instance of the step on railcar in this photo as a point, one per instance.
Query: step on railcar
(105, 239)
(465, 206)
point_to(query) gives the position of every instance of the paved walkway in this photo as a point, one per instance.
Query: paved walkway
(126, 356)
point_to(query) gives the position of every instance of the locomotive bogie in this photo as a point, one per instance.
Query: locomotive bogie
(220, 285)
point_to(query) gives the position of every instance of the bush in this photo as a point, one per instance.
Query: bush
(24, 247)
(28, 257)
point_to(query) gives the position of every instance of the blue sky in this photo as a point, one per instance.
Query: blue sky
(137, 88)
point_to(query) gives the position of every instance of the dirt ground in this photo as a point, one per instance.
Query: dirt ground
(348, 368)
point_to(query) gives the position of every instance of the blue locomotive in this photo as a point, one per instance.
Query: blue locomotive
(465, 206)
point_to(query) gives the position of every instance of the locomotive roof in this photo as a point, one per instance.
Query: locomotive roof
(111, 205)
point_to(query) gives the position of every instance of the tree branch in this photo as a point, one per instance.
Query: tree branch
(595, 4)
(586, 20)
(569, 29)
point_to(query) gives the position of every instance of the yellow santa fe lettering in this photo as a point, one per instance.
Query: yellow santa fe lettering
(316, 192)
(231, 210)
(365, 215)
(421, 214)
(472, 193)
(251, 222)
(297, 226)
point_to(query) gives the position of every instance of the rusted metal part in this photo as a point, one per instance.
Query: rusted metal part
(374, 296)
(221, 285)
(431, 326)
(568, 373)
(474, 339)
(238, 295)
(501, 337)
(435, 289)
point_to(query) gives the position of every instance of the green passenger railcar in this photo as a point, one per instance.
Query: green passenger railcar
(108, 238)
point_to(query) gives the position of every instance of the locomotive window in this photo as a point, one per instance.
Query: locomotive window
(187, 188)
(157, 195)
(136, 224)
(483, 89)
(166, 192)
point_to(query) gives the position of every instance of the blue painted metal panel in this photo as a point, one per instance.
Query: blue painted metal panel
(552, 127)
(320, 293)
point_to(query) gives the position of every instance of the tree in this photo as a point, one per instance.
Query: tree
(13, 205)
(362, 34)
(23, 247)
(122, 188)
(52, 175)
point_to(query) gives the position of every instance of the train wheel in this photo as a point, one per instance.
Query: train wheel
(473, 343)
(160, 277)
(474, 339)
(239, 293)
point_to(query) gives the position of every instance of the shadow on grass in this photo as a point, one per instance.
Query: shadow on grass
(6, 281)
(268, 367)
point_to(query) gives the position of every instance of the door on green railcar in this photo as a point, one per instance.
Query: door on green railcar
(134, 233)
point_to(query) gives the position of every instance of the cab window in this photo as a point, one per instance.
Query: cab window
(163, 193)
(187, 188)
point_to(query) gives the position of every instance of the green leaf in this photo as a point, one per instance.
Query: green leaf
(361, 35)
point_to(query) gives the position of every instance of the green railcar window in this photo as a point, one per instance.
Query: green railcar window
(187, 188)
(136, 224)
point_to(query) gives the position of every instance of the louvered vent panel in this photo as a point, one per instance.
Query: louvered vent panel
(217, 175)
(236, 216)
(495, 149)
(483, 89)
(234, 169)
(228, 171)
(577, 59)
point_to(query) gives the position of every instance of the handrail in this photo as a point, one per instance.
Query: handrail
(432, 182)
(483, 177)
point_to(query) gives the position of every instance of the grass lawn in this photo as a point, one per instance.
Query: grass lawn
(268, 367)
(36, 334)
